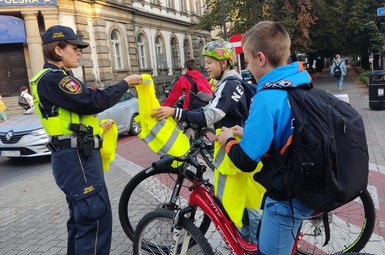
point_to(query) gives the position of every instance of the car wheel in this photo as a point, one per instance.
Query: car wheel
(134, 126)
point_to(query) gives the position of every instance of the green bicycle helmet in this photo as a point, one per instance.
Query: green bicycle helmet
(220, 50)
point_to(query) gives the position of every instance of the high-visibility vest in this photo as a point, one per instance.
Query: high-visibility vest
(163, 136)
(236, 190)
(58, 125)
(110, 139)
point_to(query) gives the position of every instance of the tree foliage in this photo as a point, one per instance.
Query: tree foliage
(317, 27)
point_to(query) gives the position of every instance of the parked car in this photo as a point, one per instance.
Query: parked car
(249, 79)
(24, 136)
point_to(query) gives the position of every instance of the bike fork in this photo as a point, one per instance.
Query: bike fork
(176, 233)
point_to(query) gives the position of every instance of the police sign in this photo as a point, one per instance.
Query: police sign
(381, 11)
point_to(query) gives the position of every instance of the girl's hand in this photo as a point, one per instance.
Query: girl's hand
(162, 112)
(224, 135)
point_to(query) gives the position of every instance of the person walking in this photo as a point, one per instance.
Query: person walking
(319, 66)
(184, 86)
(3, 108)
(24, 95)
(338, 70)
(269, 125)
(67, 110)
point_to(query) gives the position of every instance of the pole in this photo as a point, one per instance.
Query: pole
(224, 20)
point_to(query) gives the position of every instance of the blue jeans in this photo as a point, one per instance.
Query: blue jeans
(249, 230)
(340, 81)
(278, 231)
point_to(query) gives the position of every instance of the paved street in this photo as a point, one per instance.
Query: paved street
(33, 211)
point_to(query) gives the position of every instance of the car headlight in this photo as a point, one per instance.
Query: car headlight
(39, 132)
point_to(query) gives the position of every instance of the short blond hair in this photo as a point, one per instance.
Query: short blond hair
(271, 38)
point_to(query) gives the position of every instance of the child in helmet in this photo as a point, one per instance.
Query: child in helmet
(229, 105)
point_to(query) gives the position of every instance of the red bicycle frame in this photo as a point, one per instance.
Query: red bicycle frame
(203, 197)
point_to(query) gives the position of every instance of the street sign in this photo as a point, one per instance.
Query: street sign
(236, 41)
(381, 11)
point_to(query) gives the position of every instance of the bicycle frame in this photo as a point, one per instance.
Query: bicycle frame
(202, 196)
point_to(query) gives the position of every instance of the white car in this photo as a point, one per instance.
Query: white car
(24, 136)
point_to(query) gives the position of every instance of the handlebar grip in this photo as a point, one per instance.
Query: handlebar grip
(163, 161)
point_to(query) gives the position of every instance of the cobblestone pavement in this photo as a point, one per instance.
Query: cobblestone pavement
(33, 212)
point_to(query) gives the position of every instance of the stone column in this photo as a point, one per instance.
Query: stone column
(33, 41)
(51, 17)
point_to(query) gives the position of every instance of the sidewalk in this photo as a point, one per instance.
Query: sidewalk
(33, 212)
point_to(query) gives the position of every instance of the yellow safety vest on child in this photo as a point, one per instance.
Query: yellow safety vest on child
(236, 190)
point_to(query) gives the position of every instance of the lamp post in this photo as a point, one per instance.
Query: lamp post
(224, 20)
(80, 36)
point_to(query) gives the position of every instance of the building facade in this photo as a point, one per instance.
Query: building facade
(125, 36)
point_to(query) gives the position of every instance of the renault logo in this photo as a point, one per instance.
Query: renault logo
(9, 136)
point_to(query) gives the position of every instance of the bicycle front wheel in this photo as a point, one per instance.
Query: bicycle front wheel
(351, 227)
(154, 235)
(151, 189)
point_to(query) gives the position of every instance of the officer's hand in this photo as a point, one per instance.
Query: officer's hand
(224, 135)
(106, 125)
(162, 112)
(133, 80)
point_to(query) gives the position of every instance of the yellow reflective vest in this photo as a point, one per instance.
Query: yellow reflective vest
(236, 190)
(58, 125)
(110, 139)
(163, 136)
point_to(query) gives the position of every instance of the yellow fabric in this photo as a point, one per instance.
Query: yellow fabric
(239, 190)
(58, 125)
(164, 136)
(110, 139)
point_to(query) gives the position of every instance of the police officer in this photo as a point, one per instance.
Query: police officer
(67, 109)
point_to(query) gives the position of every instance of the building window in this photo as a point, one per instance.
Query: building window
(160, 52)
(116, 50)
(175, 53)
(187, 49)
(170, 4)
(198, 7)
(183, 6)
(142, 51)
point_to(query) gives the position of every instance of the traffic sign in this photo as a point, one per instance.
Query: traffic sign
(381, 11)
(236, 41)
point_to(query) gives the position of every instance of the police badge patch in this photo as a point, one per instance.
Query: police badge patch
(70, 85)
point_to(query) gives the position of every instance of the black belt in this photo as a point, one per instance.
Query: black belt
(73, 141)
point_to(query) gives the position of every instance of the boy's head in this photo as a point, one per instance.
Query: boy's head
(219, 57)
(266, 46)
(190, 64)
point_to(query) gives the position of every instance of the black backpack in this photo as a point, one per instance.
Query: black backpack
(23, 102)
(195, 101)
(337, 70)
(326, 165)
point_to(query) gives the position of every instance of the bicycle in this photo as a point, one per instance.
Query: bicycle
(179, 234)
(164, 187)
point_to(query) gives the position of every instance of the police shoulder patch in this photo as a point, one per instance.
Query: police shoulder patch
(70, 85)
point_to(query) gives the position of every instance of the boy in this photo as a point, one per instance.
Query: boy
(266, 47)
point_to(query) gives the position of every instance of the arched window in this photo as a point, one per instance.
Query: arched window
(142, 51)
(116, 50)
(201, 58)
(160, 52)
(187, 49)
(175, 53)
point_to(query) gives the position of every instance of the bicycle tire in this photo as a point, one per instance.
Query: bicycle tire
(148, 190)
(154, 235)
(351, 227)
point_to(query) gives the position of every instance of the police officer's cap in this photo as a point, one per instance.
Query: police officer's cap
(62, 33)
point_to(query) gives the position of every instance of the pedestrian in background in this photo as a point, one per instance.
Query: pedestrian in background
(67, 110)
(184, 86)
(3, 108)
(319, 66)
(338, 70)
(28, 98)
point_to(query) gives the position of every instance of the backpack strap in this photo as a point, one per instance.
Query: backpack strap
(194, 86)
